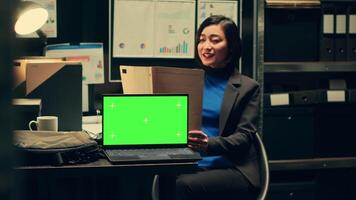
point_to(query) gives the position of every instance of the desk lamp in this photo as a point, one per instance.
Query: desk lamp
(29, 18)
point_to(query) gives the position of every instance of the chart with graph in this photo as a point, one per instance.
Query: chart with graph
(181, 48)
(154, 28)
(174, 33)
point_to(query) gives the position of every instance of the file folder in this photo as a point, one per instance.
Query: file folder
(327, 48)
(351, 40)
(59, 86)
(340, 33)
(151, 80)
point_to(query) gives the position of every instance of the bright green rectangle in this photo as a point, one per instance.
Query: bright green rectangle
(145, 120)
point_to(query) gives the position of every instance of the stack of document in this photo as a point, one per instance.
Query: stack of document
(93, 126)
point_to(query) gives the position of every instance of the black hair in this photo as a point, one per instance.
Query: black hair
(232, 36)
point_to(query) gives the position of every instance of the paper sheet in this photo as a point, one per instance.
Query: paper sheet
(174, 31)
(279, 99)
(340, 24)
(133, 29)
(92, 125)
(352, 24)
(94, 119)
(154, 28)
(328, 24)
(207, 8)
(85, 97)
(91, 55)
(336, 96)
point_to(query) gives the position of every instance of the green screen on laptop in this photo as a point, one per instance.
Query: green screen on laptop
(145, 119)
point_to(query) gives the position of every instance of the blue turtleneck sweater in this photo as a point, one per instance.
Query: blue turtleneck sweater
(214, 87)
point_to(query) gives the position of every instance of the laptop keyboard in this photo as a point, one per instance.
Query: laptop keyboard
(150, 152)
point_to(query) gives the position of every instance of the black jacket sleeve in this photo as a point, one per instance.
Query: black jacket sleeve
(243, 122)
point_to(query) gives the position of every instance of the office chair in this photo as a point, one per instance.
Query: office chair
(264, 168)
(155, 190)
(263, 165)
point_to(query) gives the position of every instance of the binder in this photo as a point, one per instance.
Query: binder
(308, 97)
(351, 39)
(351, 96)
(327, 47)
(288, 132)
(340, 33)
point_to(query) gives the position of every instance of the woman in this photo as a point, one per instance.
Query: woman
(229, 169)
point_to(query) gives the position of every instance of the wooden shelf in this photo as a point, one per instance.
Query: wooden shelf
(315, 163)
(294, 67)
(293, 4)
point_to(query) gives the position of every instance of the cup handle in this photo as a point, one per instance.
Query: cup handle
(31, 122)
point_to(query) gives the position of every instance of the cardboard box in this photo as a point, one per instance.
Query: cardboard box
(19, 73)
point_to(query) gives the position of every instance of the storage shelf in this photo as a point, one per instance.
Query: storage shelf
(315, 163)
(292, 67)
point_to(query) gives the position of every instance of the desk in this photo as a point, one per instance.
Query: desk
(103, 168)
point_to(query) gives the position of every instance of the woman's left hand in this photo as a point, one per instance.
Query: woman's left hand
(198, 140)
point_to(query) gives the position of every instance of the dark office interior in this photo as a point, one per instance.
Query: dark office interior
(307, 112)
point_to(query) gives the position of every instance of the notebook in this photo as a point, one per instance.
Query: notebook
(140, 128)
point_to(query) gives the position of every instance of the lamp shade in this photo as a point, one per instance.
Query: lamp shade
(29, 17)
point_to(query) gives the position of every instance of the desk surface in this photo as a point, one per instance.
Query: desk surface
(103, 166)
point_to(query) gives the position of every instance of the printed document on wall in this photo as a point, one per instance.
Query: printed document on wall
(154, 28)
(175, 22)
(133, 28)
(50, 27)
(207, 8)
(91, 55)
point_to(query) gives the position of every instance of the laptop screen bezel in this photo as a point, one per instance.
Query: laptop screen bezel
(143, 146)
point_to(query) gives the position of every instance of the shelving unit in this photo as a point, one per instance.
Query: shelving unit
(313, 176)
(295, 67)
(311, 164)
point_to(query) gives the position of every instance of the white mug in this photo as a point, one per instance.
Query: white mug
(45, 123)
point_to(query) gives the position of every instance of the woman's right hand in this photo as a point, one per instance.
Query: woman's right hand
(198, 140)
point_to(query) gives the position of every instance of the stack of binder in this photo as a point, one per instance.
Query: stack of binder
(338, 32)
(351, 39)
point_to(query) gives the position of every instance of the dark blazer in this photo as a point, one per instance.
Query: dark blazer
(238, 124)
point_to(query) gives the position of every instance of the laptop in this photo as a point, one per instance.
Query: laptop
(146, 128)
